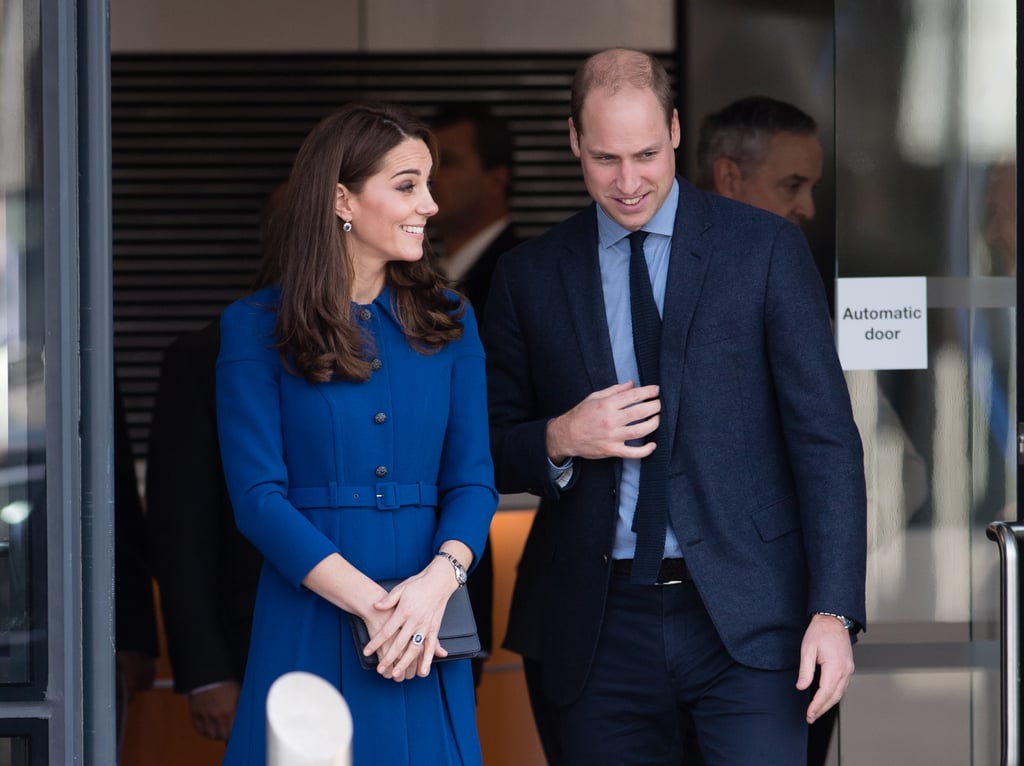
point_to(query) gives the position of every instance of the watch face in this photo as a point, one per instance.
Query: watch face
(460, 571)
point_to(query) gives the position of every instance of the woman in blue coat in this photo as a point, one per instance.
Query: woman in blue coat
(353, 426)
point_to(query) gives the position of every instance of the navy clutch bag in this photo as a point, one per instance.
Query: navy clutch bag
(457, 634)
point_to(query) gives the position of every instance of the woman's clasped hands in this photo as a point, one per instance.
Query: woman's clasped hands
(404, 623)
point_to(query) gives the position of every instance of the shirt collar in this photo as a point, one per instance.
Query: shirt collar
(462, 260)
(610, 233)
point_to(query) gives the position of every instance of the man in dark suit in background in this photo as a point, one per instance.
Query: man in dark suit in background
(471, 187)
(135, 636)
(207, 571)
(712, 568)
(763, 152)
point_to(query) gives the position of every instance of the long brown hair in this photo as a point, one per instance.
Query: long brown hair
(315, 329)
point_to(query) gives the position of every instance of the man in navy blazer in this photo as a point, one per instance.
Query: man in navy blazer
(762, 575)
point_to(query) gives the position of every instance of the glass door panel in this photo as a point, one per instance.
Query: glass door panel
(925, 180)
(22, 423)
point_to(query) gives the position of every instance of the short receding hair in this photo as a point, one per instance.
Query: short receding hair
(619, 68)
(742, 132)
(491, 136)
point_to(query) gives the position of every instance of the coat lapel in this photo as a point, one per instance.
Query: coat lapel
(581, 281)
(688, 265)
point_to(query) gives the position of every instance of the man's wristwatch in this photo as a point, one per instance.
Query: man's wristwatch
(460, 571)
(847, 622)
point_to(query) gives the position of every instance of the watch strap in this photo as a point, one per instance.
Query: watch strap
(847, 622)
(460, 571)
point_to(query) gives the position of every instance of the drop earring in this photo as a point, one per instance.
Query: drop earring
(347, 226)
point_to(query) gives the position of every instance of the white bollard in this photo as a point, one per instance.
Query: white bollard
(308, 723)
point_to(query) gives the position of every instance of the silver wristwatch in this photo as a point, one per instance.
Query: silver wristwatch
(460, 571)
(847, 622)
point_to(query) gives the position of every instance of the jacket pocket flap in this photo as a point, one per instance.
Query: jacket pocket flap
(777, 519)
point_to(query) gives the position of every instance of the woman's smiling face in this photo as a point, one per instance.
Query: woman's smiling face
(389, 214)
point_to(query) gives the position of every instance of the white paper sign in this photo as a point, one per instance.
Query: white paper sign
(882, 323)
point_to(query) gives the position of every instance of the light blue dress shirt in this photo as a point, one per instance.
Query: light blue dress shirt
(613, 253)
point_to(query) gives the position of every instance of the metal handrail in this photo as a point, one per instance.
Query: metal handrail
(1009, 536)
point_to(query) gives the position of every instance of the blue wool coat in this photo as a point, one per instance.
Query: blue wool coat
(295, 454)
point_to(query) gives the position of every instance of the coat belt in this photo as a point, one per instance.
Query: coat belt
(385, 496)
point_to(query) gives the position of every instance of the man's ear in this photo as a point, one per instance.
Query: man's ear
(727, 177)
(574, 138)
(342, 203)
(499, 177)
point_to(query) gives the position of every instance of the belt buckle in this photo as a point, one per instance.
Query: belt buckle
(387, 496)
(670, 568)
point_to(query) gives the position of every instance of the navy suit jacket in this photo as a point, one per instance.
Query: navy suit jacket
(766, 474)
(475, 285)
(206, 570)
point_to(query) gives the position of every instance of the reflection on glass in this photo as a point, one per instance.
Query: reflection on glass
(15, 751)
(930, 727)
(21, 359)
(926, 179)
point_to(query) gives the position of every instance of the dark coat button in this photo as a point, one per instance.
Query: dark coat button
(376, 364)
(604, 559)
(381, 471)
(365, 315)
(380, 418)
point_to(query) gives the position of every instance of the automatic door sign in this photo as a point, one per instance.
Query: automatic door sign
(882, 323)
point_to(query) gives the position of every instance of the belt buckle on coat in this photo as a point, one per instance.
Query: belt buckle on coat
(387, 496)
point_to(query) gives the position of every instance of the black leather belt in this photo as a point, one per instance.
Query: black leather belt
(672, 570)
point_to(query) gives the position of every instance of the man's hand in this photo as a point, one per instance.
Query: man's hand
(600, 425)
(135, 672)
(826, 643)
(213, 709)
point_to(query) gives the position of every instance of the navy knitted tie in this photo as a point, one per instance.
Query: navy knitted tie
(651, 516)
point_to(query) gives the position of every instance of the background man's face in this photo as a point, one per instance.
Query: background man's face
(1001, 211)
(460, 180)
(784, 182)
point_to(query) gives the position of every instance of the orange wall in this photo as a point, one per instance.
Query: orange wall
(159, 731)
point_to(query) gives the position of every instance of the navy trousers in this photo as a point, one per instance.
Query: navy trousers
(545, 713)
(658, 660)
